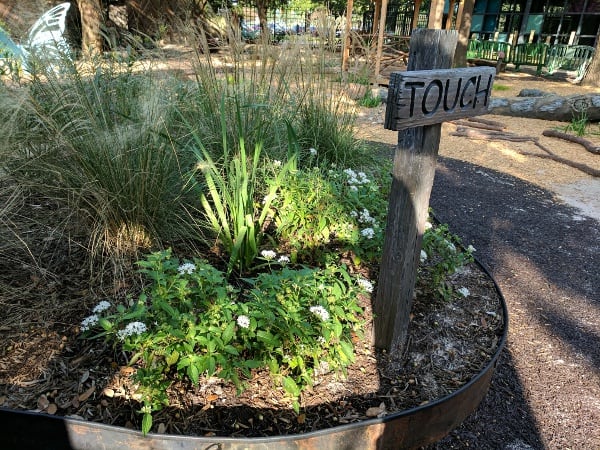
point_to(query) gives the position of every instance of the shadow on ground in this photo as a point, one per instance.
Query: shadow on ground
(545, 257)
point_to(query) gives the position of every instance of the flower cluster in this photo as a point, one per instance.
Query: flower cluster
(270, 255)
(356, 178)
(364, 217)
(365, 284)
(131, 329)
(243, 321)
(320, 312)
(89, 322)
(423, 256)
(188, 268)
(464, 292)
(101, 307)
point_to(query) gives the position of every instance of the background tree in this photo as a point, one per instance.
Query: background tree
(592, 77)
(463, 25)
(91, 20)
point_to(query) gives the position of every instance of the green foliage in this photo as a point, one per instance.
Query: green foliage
(369, 100)
(191, 323)
(442, 257)
(500, 87)
(230, 204)
(579, 124)
(317, 209)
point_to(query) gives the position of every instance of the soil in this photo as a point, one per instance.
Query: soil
(542, 251)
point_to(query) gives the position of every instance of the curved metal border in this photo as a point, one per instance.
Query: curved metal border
(406, 429)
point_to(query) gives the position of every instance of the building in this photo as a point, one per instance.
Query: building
(515, 21)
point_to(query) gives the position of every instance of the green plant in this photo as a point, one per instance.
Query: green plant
(441, 257)
(579, 124)
(369, 100)
(190, 323)
(231, 206)
(101, 146)
(500, 87)
(317, 209)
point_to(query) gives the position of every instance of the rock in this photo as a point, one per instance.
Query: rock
(532, 93)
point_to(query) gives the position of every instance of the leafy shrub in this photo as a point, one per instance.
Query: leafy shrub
(190, 322)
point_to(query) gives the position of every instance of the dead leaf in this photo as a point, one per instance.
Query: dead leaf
(84, 377)
(375, 410)
(43, 402)
(85, 395)
(108, 392)
(301, 418)
(52, 408)
(212, 397)
(162, 428)
(126, 371)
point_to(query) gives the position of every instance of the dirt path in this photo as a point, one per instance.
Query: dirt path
(536, 225)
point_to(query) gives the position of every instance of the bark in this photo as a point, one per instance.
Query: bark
(589, 146)
(91, 19)
(463, 19)
(592, 78)
(548, 107)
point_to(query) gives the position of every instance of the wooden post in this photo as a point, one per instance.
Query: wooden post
(436, 14)
(415, 21)
(448, 24)
(347, 38)
(382, 22)
(413, 171)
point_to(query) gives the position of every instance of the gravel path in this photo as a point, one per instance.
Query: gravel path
(545, 256)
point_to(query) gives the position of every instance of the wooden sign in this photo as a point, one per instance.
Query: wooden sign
(426, 97)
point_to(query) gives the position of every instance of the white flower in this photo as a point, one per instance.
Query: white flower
(313, 151)
(102, 306)
(471, 249)
(451, 246)
(354, 188)
(133, 328)
(243, 321)
(277, 163)
(321, 340)
(283, 259)
(365, 284)
(423, 256)
(268, 254)
(369, 233)
(186, 268)
(89, 322)
(464, 292)
(320, 312)
(428, 225)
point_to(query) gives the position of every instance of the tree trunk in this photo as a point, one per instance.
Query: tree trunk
(261, 10)
(465, 12)
(593, 74)
(91, 18)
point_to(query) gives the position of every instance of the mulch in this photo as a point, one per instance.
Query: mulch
(545, 257)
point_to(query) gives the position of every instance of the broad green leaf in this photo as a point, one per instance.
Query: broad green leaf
(172, 358)
(228, 333)
(291, 387)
